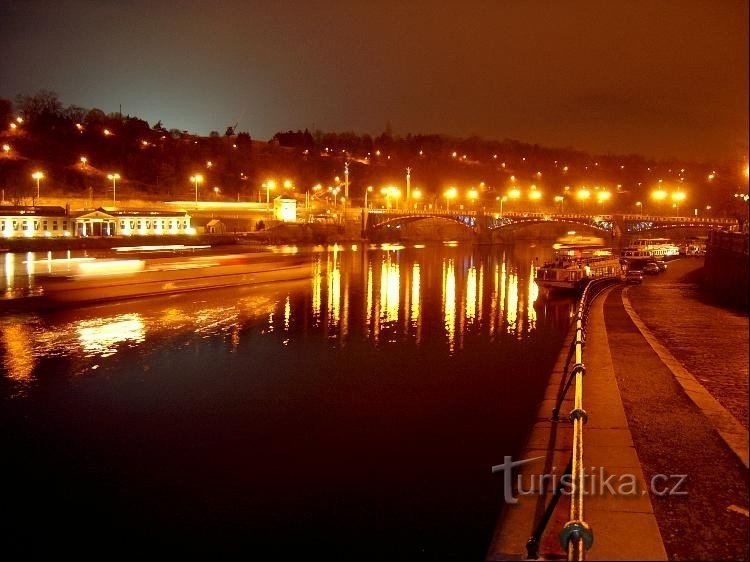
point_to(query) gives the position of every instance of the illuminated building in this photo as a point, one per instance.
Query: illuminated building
(55, 222)
(285, 209)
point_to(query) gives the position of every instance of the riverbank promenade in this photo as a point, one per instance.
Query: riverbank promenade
(665, 391)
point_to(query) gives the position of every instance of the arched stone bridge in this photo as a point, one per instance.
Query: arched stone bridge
(481, 222)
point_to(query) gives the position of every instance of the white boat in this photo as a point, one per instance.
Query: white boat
(658, 247)
(576, 264)
(103, 280)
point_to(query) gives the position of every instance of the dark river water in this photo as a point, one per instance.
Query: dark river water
(353, 415)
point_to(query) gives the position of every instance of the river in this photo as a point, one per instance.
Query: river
(353, 415)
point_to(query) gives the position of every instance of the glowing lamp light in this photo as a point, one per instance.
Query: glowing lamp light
(514, 193)
(473, 194)
(583, 194)
(678, 196)
(535, 195)
(659, 195)
(603, 196)
(451, 193)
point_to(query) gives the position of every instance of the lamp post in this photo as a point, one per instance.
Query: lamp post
(583, 195)
(514, 195)
(368, 190)
(196, 179)
(113, 178)
(395, 193)
(502, 200)
(560, 199)
(38, 176)
(268, 186)
(417, 196)
(450, 193)
(658, 196)
(678, 197)
(602, 197)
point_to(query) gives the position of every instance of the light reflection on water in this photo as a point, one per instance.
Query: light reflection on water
(392, 290)
(409, 369)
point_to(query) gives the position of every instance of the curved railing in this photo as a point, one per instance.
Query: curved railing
(576, 536)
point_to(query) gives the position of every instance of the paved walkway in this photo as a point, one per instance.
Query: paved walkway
(672, 437)
(709, 341)
(624, 524)
(663, 399)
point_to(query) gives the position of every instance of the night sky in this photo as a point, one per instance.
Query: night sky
(660, 78)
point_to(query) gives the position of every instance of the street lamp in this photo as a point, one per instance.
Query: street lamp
(560, 199)
(196, 179)
(368, 190)
(450, 193)
(417, 196)
(395, 193)
(582, 195)
(659, 195)
(268, 186)
(502, 200)
(603, 196)
(113, 178)
(640, 207)
(38, 176)
(678, 197)
(316, 188)
(473, 194)
(6, 148)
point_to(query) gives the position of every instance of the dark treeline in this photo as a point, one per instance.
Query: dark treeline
(155, 161)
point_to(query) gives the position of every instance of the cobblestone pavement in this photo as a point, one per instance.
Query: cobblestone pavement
(710, 342)
(672, 437)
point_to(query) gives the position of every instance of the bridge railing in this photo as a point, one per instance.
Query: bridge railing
(688, 219)
(576, 536)
(492, 213)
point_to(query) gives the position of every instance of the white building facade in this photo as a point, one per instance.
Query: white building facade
(38, 222)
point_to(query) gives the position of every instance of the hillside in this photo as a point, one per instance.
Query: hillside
(77, 148)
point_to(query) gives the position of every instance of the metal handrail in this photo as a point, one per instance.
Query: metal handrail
(576, 536)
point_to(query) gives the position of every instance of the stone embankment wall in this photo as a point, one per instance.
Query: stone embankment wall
(725, 274)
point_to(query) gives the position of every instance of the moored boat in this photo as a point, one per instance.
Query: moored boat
(657, 247)
(575, 264)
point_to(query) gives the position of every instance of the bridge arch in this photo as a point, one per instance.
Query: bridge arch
(570, 224)
(397, 227)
